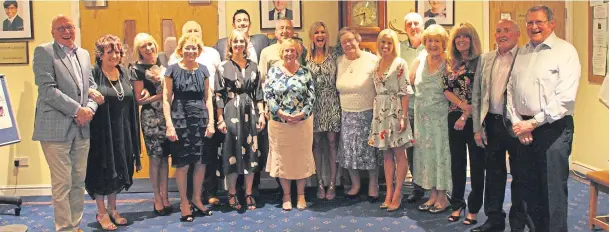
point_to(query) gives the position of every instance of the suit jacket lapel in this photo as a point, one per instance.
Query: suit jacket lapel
(489, 72)
(66, 61)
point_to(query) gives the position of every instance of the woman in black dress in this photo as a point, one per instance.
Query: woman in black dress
(147, 74)
(187, 107)
(115, 143)
(238, 90)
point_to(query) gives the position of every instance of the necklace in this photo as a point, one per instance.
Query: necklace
(120, 95)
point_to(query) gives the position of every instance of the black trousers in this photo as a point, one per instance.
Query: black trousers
(498, 142)
(545, 168)
(417, 190)
(458, 141)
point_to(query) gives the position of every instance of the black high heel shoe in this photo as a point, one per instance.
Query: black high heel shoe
(457, 218)
(351, 197)
(372, 199)
(206, 212)
(167, 210)
(159, 212)
(187, 218)
(236, 205)
(468, 221)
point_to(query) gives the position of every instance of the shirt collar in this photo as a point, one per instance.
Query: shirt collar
(549, 41)
(511, 51)
(13, 18)
(67, 49)
(283, 12)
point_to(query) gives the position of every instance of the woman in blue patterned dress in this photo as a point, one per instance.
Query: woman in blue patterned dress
(432, 163)
(390, 130)
(321, 62)
(187, 107)
(289, 93)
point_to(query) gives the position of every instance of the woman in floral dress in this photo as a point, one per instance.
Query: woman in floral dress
(238, 91)
(321, 62)
(432, 163)
(390, 130)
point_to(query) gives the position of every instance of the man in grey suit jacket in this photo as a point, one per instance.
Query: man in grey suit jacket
(64, 108)
(241, 21)
(490, 132)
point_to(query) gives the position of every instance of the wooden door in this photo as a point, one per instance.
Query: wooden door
(160, 19)
(518, 11)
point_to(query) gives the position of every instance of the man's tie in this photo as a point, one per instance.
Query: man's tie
(279, 15)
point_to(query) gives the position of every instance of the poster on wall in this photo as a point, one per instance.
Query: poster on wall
(271, 11)
(16, 20)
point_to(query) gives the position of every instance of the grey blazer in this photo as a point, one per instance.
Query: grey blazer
(59, 95)
(482, 89)
(258, 41)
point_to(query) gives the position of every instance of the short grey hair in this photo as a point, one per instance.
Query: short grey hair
(416, 15)
(543, 8)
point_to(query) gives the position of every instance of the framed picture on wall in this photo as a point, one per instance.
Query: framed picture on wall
(17, 22)
(442, 12)
(271, 11)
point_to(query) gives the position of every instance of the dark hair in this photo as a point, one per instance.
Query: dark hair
(240, 11)
(428, 23)
(9, 3)
(543, 8)
(107, 41)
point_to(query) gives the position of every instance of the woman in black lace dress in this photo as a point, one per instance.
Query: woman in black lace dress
(115, 139)
(187, 107)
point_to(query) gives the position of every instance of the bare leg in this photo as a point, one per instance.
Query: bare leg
(198, 176)
(332, 151)
(433, 196)
(373, 185)
(233, 202)
(250, 200)
(400, 154)
(441, 199)
(301, 203)
(318, 156)
(102, 216)
(388, 170)
(111, 208)
(163, 175)
(153, 172)
(355, 176)
(185, 206)
(286, 205)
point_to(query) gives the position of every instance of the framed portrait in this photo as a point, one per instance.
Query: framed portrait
(272, 10)
(17, 20)
(442, 11)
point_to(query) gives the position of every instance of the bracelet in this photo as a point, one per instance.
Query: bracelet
(219, 122)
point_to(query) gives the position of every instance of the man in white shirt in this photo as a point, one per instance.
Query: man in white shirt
(540, 100)
(490, 131)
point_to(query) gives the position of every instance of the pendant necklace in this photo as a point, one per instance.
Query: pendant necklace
(120, 95)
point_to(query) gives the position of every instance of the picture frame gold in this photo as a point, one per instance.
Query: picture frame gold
(14, 53)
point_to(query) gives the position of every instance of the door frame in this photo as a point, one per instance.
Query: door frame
(487, 33)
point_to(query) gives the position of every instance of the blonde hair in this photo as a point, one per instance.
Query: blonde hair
(140, 40)
(436, 31)
(393, 36)
(311, 48)
(293, 43)
(232, 36)
(464, 29)
(188, 38)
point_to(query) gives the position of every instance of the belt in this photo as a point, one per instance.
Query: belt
(494, 116)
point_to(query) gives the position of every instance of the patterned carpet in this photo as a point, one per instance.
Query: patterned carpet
(336, 215)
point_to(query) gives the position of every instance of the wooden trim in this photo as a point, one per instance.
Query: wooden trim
(595, 79)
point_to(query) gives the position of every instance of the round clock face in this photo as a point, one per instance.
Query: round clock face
(364, 14)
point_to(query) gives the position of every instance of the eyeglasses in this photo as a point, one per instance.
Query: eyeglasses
(65, 28)
(538, 23)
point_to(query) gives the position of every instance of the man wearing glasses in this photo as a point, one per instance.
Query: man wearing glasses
(64, 108)
(540, 102)
(14, 22)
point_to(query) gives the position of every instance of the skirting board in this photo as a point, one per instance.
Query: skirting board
(26, 190)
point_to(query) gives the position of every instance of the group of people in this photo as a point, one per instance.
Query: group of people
(282, 107)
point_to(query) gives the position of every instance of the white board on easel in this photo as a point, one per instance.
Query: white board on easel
(9, 131)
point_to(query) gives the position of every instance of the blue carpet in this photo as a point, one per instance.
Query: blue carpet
(336, 215)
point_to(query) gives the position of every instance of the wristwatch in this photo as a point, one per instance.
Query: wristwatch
(462, 118)
(534, 123)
